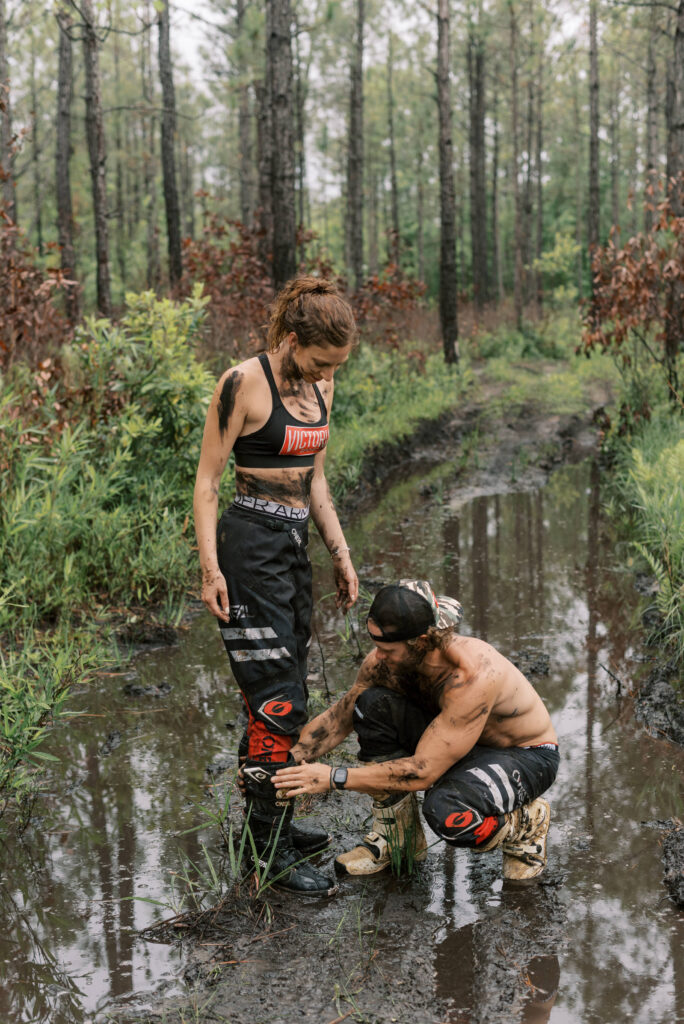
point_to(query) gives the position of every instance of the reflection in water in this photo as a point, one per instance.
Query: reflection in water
(533, 573)
(480, 578)
(503, 966)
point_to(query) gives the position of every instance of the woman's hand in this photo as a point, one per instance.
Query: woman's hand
(215, 593)
(302, 778)
(346, 581)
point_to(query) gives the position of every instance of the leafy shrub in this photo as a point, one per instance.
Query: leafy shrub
(379, 398)
(638, 301)
(649, 482)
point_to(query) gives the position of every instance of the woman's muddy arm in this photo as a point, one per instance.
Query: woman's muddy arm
(325, 517)
(224, 422)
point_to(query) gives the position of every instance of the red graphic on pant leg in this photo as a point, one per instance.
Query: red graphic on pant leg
(461, 819)
(276, 707)
(263, 745)
(484, 830)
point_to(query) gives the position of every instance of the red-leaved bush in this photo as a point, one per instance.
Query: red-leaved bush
(31, 325)
(639, 296)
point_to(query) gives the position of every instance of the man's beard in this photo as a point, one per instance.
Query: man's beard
(406, 679)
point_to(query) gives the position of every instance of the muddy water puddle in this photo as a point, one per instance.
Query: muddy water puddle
(597, 941)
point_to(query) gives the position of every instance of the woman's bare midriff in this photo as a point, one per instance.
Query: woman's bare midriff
(286, 486)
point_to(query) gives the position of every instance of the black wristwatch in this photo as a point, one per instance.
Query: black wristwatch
(338, 778)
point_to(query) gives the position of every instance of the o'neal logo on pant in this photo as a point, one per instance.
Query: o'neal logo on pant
(304, 440)
(276, 707)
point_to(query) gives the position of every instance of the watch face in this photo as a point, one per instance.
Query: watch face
(340, 777)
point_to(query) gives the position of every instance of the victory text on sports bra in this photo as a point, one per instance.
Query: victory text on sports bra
(304, 440)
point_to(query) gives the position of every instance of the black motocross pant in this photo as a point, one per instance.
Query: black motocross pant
(268, 572)
(468, 804)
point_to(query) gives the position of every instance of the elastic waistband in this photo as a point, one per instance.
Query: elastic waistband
(271, 508)
(542, 746)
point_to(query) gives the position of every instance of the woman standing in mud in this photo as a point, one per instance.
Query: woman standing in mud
(273, 412)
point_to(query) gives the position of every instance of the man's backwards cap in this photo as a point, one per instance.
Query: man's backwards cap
(405, 610)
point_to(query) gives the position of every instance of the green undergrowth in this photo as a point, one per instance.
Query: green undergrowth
(379, 399)
(648, 497)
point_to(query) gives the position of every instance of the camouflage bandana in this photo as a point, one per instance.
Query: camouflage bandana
(447, 611)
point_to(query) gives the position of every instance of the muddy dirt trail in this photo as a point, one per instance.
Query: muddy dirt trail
(518, 537)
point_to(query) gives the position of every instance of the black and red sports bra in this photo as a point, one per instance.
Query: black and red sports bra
(283, 441)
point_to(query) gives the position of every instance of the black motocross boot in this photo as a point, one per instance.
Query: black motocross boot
(306, 839)
(269, 820)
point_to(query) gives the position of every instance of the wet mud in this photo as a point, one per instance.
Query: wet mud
(659, 706)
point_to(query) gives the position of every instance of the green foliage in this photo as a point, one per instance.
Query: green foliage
(96, 473)
(558, 269)
(35, 679)
(649, 481)
(101, 508)
(380, 398)
(553, 337)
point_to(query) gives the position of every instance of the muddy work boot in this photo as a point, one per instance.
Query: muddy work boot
(396, 837)
(269, 820)
(523, 840)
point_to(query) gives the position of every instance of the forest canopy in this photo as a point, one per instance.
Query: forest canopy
(312, 133)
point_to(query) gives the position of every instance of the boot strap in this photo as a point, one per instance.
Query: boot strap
(376, 843)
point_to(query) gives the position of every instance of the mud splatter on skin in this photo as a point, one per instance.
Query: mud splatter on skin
(502, 718)
(226, 403)
(294, 383)
(291, 491)
(479, 712)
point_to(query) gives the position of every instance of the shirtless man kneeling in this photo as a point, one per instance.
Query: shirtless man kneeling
(439, 712)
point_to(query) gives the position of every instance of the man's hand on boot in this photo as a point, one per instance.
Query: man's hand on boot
(302, 778)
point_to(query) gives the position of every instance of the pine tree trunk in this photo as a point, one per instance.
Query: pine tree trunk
(187, 183)
(593, 230)
(65, 217)
(264, 146)
(448, 277)
(9, 198)
(373, 238)
(35, 152)
(538, 160)
(118, 167)
(527, 192)
(244, 131)
(149, 159)
(420, 212)
(168, 154)
(497, 267)
(394, 190)
(652, 114)
(675, 148)
(579, 177)
(478, 188)
(300, 148)
(515, 160)
(355, 155)
(98, 154)
(615, 162)
(279, 55)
